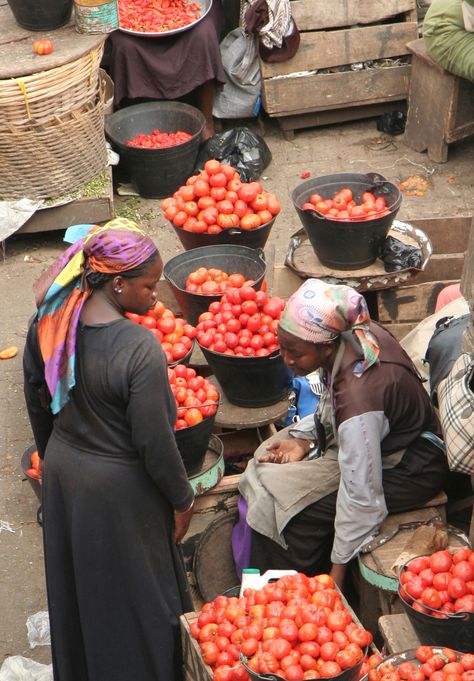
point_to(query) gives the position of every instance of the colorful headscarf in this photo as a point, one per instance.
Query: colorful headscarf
(62, 290)
(318, 312)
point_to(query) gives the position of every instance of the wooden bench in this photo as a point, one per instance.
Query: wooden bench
(440, 106)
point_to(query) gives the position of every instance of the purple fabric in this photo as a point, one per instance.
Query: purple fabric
(241, 539)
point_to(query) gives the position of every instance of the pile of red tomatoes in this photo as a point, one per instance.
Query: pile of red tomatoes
(159, 140)
(174, 333)
(440, 584)
(297, 627)
(157, 16)
(214, 281)
(243, 323)
(439, 664)
(343, 207)
(196, 398)
(216, 199)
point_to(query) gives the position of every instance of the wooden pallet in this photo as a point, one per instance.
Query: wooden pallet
(335, 35)
(84, 210)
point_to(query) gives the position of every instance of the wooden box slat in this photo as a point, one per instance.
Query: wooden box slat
(286, 96)
(312, 15)
(325, 49)
(447, 234)
(409, 303)
(193, 666)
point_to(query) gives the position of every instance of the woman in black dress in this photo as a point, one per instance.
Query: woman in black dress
(116, 499)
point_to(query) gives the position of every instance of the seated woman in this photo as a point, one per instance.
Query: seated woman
(385, 456)
(170, 68)
(448, 32)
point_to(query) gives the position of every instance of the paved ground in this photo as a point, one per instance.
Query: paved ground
(350, 147)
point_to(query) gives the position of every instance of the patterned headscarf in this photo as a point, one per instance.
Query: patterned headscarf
(318, 312)
(62, 290)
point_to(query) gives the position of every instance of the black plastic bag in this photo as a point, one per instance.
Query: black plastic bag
(241, 148)
(392, 123)
(398, 256)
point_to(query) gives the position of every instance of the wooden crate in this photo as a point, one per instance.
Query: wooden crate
(402, 308)
(193, 665)
(335, 35)
(194, 668)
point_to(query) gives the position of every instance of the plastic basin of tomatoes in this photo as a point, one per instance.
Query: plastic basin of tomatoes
(216, 201)
(196, 404)
(295, 628)
(425, 663)
(437, 593)
(174, 333)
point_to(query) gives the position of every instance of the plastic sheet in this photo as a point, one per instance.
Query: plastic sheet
(398, 256)
(37, 626)
(244, 150)
(18, 668)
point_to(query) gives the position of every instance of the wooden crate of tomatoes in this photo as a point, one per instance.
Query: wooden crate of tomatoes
(298, 627)
(352, 62)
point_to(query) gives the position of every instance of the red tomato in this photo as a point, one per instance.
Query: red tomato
(43, 46)
(440, 561)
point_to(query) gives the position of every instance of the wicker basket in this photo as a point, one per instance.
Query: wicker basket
(44, 161)
(43, 96)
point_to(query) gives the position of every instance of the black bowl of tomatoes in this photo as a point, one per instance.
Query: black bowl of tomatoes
(156, 166)
(202, 275)
(215, 207)
(347, 217)
(437, 593)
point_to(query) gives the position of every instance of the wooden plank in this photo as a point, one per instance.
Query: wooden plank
(284, 96)
(409, 303)
(447, 234)
(311, 15)
(194, 668)
(325, 49)
(401, 330)
(350, 113)
(398, 633)
(442, 266)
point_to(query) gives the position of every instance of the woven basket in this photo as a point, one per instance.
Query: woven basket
(46, 161)
(42, 97)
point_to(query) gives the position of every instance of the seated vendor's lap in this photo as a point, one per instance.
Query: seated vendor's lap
(447, 41)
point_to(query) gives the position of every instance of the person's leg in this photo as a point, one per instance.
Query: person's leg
(309, 537)
(205, 102)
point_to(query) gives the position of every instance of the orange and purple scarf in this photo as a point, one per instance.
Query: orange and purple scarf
(318, 313)
(62, 290)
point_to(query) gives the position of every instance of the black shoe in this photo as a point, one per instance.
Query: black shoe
(39, 516)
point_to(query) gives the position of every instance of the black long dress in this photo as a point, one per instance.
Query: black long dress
(111, 479)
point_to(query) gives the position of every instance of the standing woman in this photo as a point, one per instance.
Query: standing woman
(382, 452)
(116, 499)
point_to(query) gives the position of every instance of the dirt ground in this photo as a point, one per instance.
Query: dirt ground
(350, 147)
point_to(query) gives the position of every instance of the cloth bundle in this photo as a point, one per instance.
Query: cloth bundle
(272, 22)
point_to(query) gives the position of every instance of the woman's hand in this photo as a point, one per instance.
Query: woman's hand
(181, 523)
(286, 451)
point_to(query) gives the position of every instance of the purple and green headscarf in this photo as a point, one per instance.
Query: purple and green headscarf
(318, 313)
(62, 290)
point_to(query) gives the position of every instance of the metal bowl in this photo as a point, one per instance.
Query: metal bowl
(205, 7)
